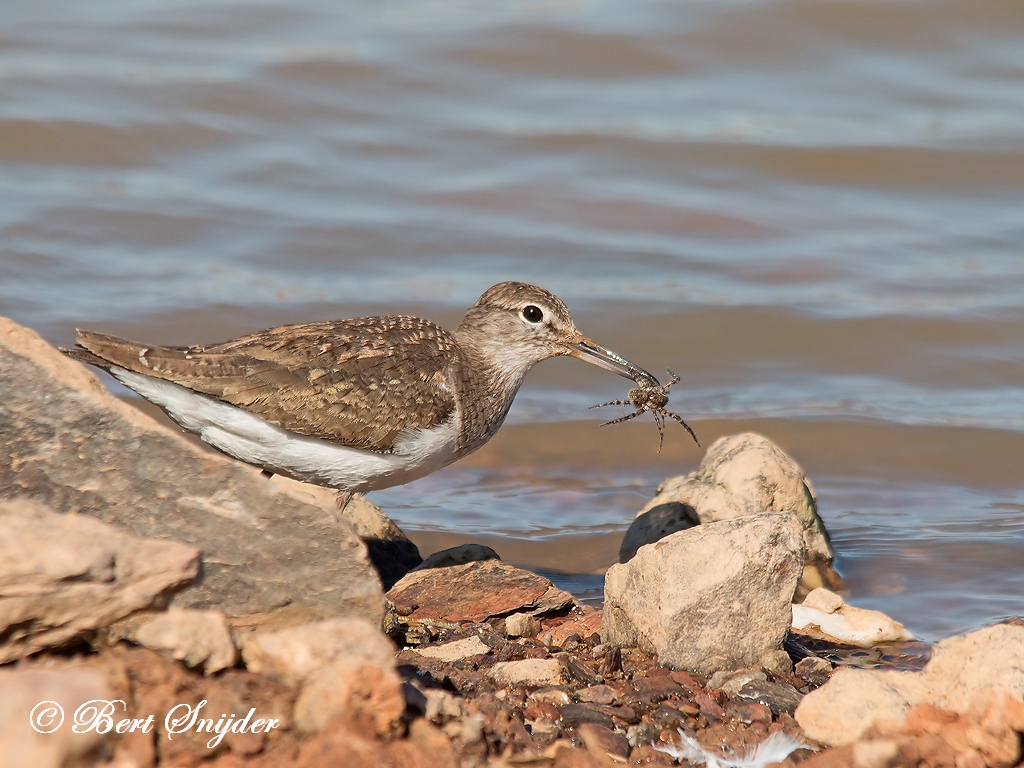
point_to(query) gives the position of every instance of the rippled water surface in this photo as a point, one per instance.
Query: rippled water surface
(813, 210)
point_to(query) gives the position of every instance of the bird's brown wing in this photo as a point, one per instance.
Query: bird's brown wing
(358, 382)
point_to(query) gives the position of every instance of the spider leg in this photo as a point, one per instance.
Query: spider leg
(660, 421)
(686, 426)
(611, 402)
(627, 417)
(675, 380)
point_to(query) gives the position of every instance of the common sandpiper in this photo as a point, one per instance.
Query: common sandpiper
(359, 404)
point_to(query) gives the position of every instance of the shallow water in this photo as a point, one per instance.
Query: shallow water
(811, 209)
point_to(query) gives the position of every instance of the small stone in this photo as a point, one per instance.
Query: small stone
(455, 650)
(778, 663)
(601, 739)
(296, 653)
(532, 673)
(722, 676)
(779, 697)
(522, 625)
(598, 694)
(813, 670)
(344, 688)
(823, 600)
(574, 715)
(556, 696)
(197, 638)
(441, 706)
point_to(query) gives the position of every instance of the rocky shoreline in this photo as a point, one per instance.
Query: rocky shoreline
(162, 606)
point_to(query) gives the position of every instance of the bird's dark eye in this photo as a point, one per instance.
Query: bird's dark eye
(532, 314)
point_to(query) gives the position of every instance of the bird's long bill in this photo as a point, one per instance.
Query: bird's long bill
(587, 351)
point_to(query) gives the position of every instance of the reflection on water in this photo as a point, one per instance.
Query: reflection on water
(811, 210)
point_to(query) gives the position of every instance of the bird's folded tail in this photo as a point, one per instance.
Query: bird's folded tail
(107, 351)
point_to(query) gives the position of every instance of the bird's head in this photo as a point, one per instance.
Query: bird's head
(516, 325)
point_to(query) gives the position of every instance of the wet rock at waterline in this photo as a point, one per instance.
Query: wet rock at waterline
(269, 555)
(824, 614)
(740, 475)
(713, 597)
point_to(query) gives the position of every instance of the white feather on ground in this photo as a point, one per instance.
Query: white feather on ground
(774, 749)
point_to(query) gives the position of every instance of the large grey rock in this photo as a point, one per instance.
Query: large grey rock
(740, 475)
(269, 555)
(64, 575)
(960, 668)
(712, 597)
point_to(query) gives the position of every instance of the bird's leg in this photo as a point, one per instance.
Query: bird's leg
(342, 500)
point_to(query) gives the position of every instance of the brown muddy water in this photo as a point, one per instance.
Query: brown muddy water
(813, 210)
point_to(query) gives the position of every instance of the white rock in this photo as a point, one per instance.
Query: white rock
(840, 711)
(297, 652)
(64, 574)
(197, 638)
(528, 672)
(740, 475)
(824, 614)
(718, 595)
(455, 650)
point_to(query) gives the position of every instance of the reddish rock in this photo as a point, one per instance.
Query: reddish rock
(474, 592)
(583, 622)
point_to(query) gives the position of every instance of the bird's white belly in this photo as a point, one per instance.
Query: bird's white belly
(256, 441)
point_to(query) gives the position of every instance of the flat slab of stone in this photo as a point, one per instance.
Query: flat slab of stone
(528, 672)
(713, 597)
(270, 556)
(63, 575)
(455, 650)
(475, 591)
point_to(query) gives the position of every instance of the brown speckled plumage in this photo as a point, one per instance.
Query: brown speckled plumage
(358, 382)
(368, 383)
